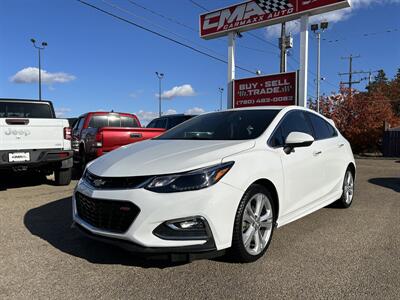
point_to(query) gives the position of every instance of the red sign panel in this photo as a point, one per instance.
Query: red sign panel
(259, 13)
(270, 90)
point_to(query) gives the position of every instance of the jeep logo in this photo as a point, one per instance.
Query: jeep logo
(17, 132)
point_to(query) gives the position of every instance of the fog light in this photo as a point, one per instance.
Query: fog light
(193, 228)
(195, 223)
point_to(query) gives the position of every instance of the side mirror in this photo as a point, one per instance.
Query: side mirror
(296, 140)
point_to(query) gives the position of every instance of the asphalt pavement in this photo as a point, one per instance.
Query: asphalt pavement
(332, 253)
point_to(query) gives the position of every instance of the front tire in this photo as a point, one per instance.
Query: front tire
(63, 176)
(254, 225)
(347, 197)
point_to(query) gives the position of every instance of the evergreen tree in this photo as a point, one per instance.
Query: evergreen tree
(379, 82)
(397, 77)
(381, 77)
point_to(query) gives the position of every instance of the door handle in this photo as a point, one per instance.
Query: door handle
(316, 153)
(136, 135)
(341, 145)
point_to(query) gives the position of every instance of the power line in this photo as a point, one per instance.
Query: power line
(369, 34)
(162, 16)
(172, 20)
(198, 5)
(160, 34)
(159, 26)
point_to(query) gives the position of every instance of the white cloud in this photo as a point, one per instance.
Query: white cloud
(31, 75)
(169, 112)
(195, 111)
(62, 111)
(135, 94)
(332, 17)
(146, 116)
(185, 90)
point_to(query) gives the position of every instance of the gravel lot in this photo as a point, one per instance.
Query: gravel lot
(332, 253)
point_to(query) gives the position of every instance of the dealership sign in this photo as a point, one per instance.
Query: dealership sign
(278, 89)
(259, 13)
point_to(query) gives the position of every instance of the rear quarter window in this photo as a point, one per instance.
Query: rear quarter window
(322, 129)
(129, 122)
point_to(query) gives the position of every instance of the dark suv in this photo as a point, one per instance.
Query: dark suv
(169, 121)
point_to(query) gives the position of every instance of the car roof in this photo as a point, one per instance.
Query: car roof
(173, 116)
(25, 100)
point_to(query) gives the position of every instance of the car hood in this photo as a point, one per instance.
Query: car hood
(156, 157)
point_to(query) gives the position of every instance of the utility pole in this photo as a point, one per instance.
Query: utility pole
(350, 73)
(44, 44)
(282, 44)
(160, 76)
(285, 43)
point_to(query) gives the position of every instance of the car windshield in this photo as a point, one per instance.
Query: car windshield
(228, 125)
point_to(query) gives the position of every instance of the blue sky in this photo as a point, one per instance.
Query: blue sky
(106, 64)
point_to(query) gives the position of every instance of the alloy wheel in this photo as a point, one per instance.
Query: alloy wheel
(257, 224)
(348, 187)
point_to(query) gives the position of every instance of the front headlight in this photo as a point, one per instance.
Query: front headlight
(189, 181)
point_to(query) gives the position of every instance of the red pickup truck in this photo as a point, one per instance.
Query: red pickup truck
(96, 133)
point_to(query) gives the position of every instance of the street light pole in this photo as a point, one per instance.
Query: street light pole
(44, 44)
(315, 28)
(318, 68)
(221, 90)
(160, 76)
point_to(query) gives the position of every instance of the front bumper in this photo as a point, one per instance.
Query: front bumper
(216, 204)
(39, 158)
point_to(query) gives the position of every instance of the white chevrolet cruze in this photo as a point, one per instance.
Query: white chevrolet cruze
(220, 180)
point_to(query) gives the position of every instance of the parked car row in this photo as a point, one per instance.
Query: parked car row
(32, 138)
(222, 180)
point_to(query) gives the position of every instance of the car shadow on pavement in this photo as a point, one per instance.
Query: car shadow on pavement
(390, 183)
(52, 223)
(18, 180)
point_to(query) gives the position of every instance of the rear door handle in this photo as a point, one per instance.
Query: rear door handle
(340, 145)
(316, 153)
(136, 135)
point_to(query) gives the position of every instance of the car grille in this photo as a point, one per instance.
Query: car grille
(110, 183)
(114, 216)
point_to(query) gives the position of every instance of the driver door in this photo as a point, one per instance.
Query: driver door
(303, 168)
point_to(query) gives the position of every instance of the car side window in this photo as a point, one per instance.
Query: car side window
(322, 129)
(161, 123)
(151, 124)
(98, 122)
(129, 122)
(332, 130)
(294, 120)
(277, 138)
(79, 125)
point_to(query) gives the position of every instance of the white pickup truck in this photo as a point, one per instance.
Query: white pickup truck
(32, 138)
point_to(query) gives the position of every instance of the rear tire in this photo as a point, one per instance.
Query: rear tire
(82, 162)
(63, 176)
(254, 225)
(347, 197)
